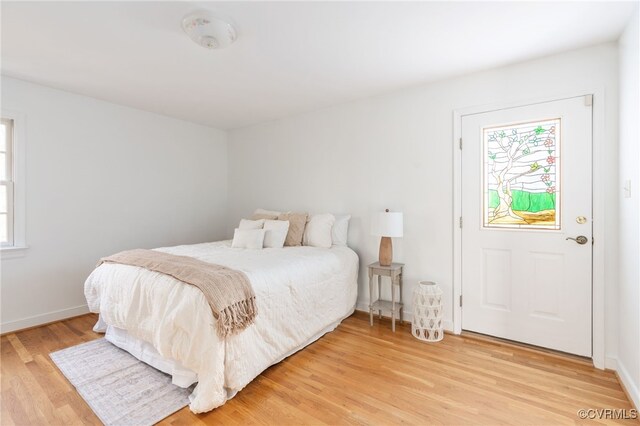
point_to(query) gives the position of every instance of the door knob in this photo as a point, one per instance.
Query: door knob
(580, 239)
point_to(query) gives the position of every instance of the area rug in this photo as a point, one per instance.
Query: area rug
(119, 388)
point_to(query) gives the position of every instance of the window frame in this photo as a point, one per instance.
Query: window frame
(8, 182)
(16, 188)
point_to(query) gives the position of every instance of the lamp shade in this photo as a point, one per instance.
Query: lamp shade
(387, 224)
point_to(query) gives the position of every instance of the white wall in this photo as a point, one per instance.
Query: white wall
(629, 282)
(395, 151)
(102, 178)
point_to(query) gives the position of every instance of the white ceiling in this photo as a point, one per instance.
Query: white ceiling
(290, 57)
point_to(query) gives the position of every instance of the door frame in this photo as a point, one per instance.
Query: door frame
(598, 209)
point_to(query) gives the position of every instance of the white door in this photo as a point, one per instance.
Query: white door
(526, 191)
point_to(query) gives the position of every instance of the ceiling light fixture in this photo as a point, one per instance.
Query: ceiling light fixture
(208, 31)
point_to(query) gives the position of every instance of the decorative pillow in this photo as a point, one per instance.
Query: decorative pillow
(297, 221)
(248, 238)
(267, 212)
(264, 216)
(318, 230)
(340, 230)
(275, 232)
(251, 224)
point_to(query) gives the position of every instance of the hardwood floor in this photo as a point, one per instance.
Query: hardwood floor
(354, 375)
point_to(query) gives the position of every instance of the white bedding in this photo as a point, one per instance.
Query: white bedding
(300, 291)
(180, 375)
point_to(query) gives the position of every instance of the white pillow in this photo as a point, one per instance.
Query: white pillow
(251, 224)
(340, 230)
(267, 212)
(275, 232)
(248, 238)
(317, 233)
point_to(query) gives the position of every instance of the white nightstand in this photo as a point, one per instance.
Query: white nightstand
(394, 272)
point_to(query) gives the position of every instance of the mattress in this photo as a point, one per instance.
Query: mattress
(301, 293)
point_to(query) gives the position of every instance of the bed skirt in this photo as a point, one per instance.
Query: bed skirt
(180, 375)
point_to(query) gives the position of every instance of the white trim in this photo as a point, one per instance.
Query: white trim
(407, 315)
(598, 142)
(457, 214)
(598, 296)
(625, 380)
(611, 363)
(12, 252)
(19, 179)
(43, 319)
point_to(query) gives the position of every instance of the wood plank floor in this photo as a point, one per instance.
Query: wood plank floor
(354, 375)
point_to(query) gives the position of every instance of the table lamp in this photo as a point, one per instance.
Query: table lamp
(386, 225)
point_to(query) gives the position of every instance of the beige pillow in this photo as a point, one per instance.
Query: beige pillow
(259, 216)
(271, 212)
(251, 224)
(297, 222)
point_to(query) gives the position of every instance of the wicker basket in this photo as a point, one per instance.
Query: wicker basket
(427, 312)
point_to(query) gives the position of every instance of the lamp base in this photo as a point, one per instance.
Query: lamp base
(385, 255)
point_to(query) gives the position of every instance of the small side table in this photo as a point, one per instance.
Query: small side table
(394, 272)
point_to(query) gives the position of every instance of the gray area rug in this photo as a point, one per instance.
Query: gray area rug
(119, 388)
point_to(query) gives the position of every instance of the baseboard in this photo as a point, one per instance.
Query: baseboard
(364, 307)
(10, 326)
(628, 385)
(611, 363)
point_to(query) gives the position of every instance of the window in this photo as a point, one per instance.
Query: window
(12, 184)
(6, 183)
(521, 175)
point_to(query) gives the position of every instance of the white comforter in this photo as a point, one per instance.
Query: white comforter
(299, 292)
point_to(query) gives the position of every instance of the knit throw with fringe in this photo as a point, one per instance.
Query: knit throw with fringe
(228, 292)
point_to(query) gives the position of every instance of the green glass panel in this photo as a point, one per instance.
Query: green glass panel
(521, 175)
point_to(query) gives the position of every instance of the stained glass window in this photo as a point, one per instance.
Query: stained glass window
(521, 175)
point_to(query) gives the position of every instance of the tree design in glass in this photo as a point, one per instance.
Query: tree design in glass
(522, 175)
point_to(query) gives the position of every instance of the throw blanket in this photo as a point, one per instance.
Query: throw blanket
(228, 292)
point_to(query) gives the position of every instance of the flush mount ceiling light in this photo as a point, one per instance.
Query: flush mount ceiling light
(208, 31)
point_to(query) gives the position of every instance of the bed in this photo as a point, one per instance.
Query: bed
(301, 294)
